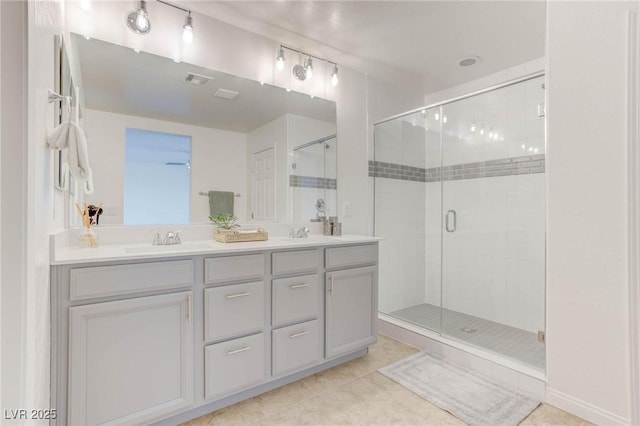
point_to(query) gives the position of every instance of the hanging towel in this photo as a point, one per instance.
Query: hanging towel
(71, 136)
(220, 202)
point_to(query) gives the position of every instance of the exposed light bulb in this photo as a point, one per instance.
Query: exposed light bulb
(187, 30)
(280, 59)
(142, 20)
(308, 66)
(334, 76)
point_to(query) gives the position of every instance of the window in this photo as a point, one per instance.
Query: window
(157, 183)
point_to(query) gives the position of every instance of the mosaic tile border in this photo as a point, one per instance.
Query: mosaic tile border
(312, 182)
(529, 164)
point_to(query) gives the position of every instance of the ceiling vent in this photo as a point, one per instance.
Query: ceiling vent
(225, 94)
(197, 79)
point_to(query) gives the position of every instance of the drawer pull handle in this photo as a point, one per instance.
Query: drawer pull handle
(233, 296)
(299, 285)
(302, 333)
(237, 351)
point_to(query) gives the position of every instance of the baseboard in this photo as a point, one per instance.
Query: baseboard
(583, 409)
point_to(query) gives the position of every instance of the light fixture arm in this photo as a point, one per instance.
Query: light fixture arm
(303, 53)
(174, 6)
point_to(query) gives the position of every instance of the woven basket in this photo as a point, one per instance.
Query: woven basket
(230, 236)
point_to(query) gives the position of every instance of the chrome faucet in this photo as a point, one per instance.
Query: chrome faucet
(302, 233)
(170, 239)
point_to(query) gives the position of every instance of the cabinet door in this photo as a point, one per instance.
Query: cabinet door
(350, 310)
(130, 361)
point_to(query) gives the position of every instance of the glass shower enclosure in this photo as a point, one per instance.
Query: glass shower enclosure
(313, 183)
(460, 202)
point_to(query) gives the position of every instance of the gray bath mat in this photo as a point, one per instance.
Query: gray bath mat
(470, 397)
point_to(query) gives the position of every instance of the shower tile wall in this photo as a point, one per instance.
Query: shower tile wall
(400, 216)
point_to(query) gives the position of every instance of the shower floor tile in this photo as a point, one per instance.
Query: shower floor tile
(509, 341)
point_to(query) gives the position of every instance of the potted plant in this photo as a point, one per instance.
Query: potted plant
(224, 221)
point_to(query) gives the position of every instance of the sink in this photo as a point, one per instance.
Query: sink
(168, 249)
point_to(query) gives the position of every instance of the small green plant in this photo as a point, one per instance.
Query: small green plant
(225, 221)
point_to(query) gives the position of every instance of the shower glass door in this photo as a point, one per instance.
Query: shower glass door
(407, 189)
(493, 214)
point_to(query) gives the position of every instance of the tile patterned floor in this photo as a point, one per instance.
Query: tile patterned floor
(511, 342)
(355, 394)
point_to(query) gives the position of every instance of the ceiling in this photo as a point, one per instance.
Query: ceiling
(414, 44)
(117, 79)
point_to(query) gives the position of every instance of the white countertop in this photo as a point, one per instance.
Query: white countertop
(105, 253)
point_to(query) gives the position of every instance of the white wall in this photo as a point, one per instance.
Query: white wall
(28, 197)
(587, 309)
(13, 224)
(106, 144)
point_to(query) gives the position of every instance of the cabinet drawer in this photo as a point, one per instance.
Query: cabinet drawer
(296, 299)
(232, 310)
(296, 346)
(234, 365)
(103, 281)
(233, 268)
(298, 261)
(350, 256)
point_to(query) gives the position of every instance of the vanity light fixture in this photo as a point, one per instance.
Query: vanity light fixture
(138, 21)
(305, 71)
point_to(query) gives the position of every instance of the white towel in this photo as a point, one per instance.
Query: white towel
(71, 136)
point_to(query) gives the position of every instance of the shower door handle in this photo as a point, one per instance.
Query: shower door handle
(447, 224)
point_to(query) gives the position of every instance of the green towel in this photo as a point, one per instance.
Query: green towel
(220, 202)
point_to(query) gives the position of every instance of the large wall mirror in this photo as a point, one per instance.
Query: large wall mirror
(164, 135)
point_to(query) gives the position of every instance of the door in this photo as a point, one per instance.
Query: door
(350, 306)
(130, 361)
(493, 192)
(263, 186)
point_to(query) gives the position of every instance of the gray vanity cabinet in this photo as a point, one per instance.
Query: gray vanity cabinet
(351, 299)
(164, 340)
(130, 361)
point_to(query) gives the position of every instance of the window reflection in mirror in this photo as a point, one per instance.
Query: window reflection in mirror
(157, 179)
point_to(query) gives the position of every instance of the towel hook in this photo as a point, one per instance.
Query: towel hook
(55, 97)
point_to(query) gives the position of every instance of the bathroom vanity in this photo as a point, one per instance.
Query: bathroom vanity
(144, 336)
